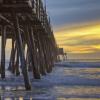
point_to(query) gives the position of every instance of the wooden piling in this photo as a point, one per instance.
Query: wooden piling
(17, 72)
(32, 51)
(28, 61)
(3, 45)
(12, 56)
(40, 54)
(45, 53)
(21, 51)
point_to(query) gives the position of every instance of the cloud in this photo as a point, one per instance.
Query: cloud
(80, 40)
(73, 11)
(76, 26)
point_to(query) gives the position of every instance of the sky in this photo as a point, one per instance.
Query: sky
(76, 25)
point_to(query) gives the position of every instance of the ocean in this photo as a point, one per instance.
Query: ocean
(68, 81)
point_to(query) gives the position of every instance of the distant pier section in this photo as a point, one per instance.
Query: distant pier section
(27, 24)
(61, 56)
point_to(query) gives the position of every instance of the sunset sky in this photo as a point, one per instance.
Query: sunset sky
(76, 26)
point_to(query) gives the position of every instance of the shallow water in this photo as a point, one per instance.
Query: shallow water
(80, 81)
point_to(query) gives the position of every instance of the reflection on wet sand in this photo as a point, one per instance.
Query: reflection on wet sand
(77, 90)
(91, 73)
(20, 98)
(63, 83)
(78, 99)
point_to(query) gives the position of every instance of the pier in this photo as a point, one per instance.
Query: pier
(27, 24)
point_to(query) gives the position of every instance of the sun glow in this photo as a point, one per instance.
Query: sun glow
(80, 39)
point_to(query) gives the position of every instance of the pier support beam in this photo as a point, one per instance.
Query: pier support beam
(21, 51)
(17, 64)
(48, 55)
(12, 56)
(32, 51)
(3, 45)
(44, 47)
(40, 53)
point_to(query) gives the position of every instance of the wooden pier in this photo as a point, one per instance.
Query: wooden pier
(34, 48)
(61, 56)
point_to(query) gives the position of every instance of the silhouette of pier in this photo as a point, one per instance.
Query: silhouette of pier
(27, 25)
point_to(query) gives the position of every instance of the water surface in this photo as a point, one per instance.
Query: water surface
(68, 81)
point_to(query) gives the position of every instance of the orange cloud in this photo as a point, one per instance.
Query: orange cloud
(79, 39)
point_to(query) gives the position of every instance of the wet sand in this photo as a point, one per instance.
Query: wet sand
(68, 81)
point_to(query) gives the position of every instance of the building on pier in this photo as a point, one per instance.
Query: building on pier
(61, 56)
